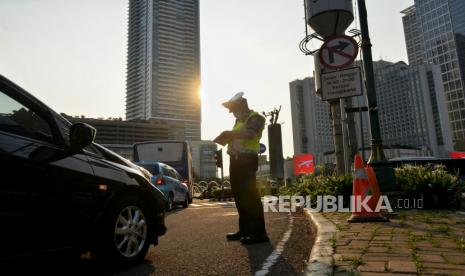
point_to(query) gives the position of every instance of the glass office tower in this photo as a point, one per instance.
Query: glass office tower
(435, 33)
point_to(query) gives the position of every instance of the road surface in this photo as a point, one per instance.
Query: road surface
(195, 244)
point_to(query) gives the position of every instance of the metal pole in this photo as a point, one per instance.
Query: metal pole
(350, 118)
(384, 173)
(362, 139)
(345, 137)
(377, 152)
(337, 134)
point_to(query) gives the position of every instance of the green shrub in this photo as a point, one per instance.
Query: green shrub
(315, 185)
(218, 193)
(438, 188)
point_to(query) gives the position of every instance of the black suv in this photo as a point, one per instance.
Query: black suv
(60, 190)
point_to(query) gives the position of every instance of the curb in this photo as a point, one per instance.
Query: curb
(322, 256)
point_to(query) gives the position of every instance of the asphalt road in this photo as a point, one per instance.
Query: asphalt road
(195, 244)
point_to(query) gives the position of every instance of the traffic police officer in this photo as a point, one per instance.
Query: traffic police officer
(243, 147)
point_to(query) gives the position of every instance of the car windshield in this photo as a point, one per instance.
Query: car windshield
(152, 168)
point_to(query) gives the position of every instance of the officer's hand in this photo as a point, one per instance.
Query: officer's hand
(224, 138)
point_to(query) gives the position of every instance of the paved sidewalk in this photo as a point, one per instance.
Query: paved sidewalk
(417, 242)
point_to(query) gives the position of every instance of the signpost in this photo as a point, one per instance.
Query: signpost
(338, 52)
(341, 84)
(330, 19)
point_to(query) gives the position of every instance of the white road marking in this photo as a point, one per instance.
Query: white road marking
(271, 260)
(216, 204)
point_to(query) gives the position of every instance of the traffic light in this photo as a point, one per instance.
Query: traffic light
(219, 158)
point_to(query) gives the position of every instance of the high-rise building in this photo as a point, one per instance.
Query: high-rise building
(311, 122)
(163, 63)
(412, 107)
(412, 114)
(435, 34)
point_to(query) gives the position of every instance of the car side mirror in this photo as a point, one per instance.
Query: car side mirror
(81, 135)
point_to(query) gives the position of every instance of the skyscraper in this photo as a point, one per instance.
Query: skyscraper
(311, 122)
(412, 113)
(412, 108)
(435, 33)
(163, 63)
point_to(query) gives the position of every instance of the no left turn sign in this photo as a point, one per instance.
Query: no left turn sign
(338, 52)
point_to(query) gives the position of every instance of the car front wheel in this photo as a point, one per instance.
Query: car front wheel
(126, 228)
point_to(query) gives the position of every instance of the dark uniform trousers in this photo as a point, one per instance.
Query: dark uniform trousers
(242, 172)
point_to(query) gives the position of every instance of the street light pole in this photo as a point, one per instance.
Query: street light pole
(384, 172)
(377, 152)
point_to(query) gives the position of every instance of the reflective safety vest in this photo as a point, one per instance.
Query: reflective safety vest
(246, 145)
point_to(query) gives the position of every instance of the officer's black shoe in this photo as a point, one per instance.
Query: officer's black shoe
(255, 239)
(234, 236)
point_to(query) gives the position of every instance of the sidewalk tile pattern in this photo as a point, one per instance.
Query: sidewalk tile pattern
(415, 242)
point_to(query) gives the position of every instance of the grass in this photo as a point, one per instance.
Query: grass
(442, 228)
(412, 245)
(374, 233)
(461, 243)
(339, 227)
(333, 241)
(354, 261)
(388, 247)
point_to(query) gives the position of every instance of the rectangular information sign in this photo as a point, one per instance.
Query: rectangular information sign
(341, 84)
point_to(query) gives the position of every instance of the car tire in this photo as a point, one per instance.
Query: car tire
(186, 202)
(125, 232)
(170, 203)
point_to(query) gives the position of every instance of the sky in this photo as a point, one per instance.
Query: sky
(72, 54)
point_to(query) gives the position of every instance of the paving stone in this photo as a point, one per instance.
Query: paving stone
(352, 251)
(377, 249)
(372, 266)
(345, 257)
(389, 254)
(432, 271)
(400, 239)
(342, 243)
(446, 244)
(425, 244)
(431, 258)
(456, 259)
(384, 258)
(435, 249)
(444, 266)
(358, 244)
(382, 238)
(402, 266)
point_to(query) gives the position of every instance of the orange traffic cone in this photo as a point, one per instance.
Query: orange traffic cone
(365, 184)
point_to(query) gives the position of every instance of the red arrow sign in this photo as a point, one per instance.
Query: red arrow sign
(338, 52)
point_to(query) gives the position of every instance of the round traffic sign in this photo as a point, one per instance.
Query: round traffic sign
(262, 148)
(338, 51)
